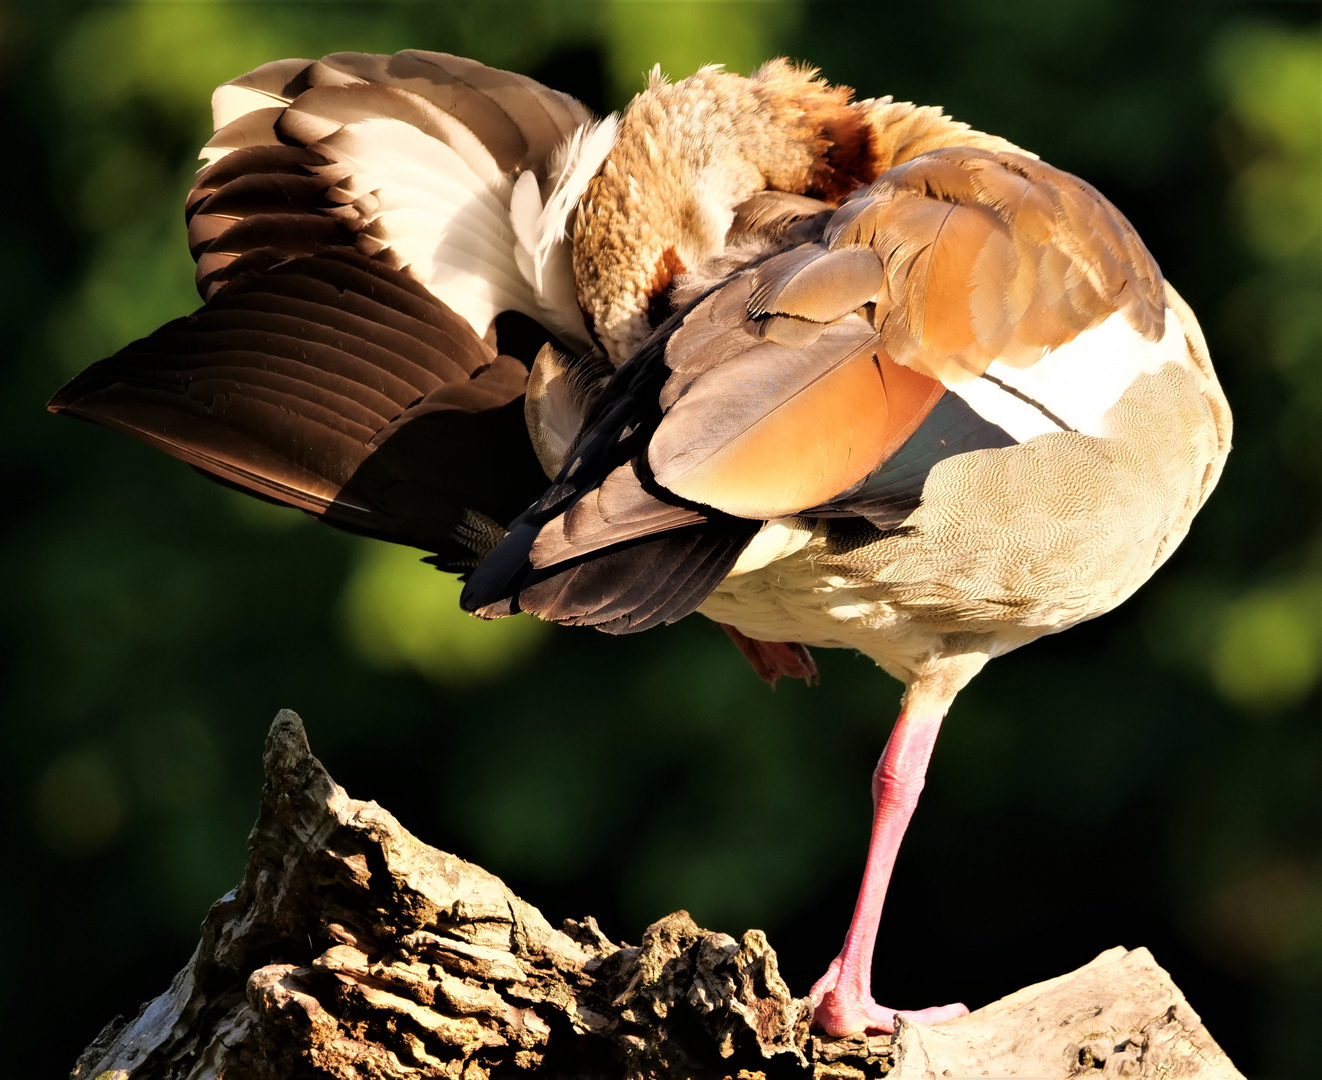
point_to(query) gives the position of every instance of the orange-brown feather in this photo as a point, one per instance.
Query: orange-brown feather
(994, 256)
(825, 439)
(910, 396)
(819, 284)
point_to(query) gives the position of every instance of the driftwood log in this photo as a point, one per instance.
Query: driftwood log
(353, 950)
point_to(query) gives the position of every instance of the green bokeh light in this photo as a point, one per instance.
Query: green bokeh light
(398, 612)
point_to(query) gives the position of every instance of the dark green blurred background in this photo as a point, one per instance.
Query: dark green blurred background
(1152, 778)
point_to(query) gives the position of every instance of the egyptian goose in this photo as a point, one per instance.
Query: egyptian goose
(829, 372)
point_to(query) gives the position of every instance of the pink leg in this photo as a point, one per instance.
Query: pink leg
(772, 659)
(843, 996)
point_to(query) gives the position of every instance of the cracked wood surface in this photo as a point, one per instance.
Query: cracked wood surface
(353, 951)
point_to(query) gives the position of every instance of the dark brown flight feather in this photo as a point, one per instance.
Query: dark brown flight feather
(337, 385)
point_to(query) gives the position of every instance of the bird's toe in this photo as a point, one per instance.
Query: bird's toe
(839, 1014)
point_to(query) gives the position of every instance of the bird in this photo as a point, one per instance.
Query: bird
(831, 372)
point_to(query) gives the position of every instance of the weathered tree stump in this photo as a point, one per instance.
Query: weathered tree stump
(353, 950)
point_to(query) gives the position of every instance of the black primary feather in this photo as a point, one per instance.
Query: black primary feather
(622, 587)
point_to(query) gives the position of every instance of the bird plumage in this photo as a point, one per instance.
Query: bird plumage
(830, 372)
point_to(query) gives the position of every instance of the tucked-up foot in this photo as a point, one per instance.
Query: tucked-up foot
(775, 659)
(839, 1013)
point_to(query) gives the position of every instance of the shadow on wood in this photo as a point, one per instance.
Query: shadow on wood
(353, 950)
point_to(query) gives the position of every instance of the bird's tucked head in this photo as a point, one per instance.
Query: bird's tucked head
(687, 154)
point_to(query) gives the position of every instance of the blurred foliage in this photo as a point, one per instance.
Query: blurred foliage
(1150, 778)
(397, 613)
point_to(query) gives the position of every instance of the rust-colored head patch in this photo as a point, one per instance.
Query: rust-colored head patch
(850, 159)
(668, 264)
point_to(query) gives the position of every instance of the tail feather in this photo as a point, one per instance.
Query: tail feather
(624, 589)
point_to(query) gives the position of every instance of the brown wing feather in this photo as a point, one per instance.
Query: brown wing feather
(635, 587)
(995, 256)
(776, 215)
(339, 386)
(517, 118)
(275, 83)
(251, 129)
(259, 197)
(620, 509)
(758, 429)
(815, 283)
(261, 167)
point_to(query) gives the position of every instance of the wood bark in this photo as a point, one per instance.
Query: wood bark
(353, 951)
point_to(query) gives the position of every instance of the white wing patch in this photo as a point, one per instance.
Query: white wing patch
(481, 241)
(1075, 385)
(231, 101)
(778, 538)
